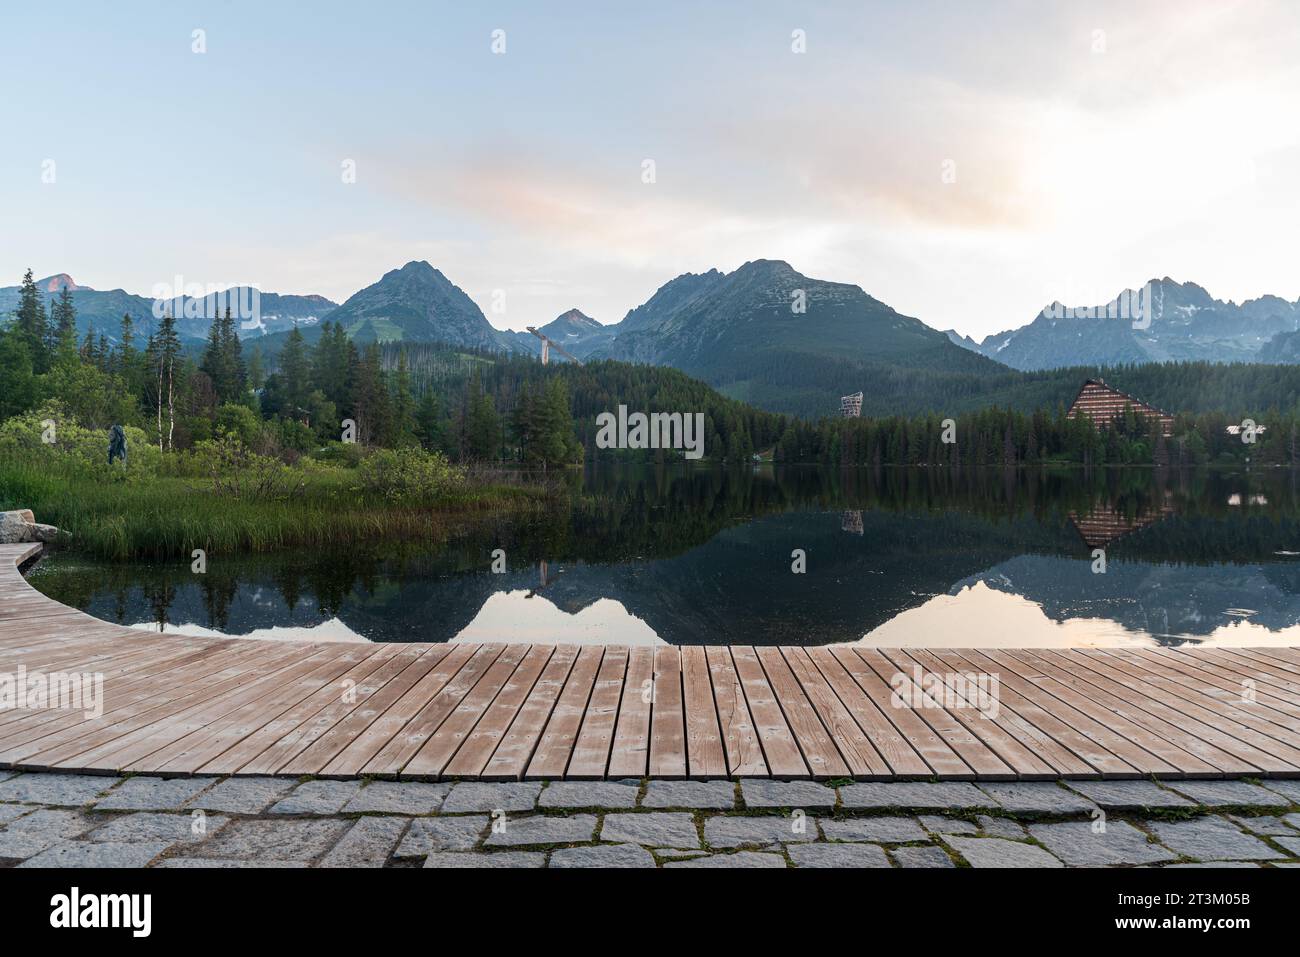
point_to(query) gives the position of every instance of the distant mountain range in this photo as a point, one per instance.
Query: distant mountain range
(766, 334)
(100, 311)
(1185, 324)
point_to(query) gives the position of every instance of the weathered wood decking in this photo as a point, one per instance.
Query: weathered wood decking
(178, 705)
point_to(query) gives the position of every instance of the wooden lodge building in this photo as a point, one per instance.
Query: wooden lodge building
(1103, 405)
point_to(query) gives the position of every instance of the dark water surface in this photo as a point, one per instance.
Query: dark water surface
(898, 557)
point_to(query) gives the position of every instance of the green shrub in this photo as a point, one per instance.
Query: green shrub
(53, 439)
(408, 475)
(238, 472)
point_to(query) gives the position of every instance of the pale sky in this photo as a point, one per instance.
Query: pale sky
(1094, 145)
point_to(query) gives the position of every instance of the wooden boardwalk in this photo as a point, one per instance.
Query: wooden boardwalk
(178, 705)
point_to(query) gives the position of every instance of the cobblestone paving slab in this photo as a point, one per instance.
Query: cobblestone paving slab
(398, 797)
(220, 862)
(947, 825)
(368, 844)
(318, 797)
(918, 795)
(652, 829)
(1212, 838)
(1037, 797)
(1214, 864)
(61, 790)
(427, 835)
(838, 855)
(400, 823)
(1078, 844)
(701, 795)
(581, 794)
(881, 830)
(605, 855)
(762, 793)
(996, 852)
(1289, 789)
(1000, 827)
(152, 794)
(155, 826)
(1292, 844)
(739, 831)
(483, 796)
(39, 830)
(921, 857)
(286, 839)
(526, 831)
(243, 795)
(10, 812)
(746, 859)
(501, 859)
(1265, 824)
(1129, 795)
(95, 854)
(1229, 793)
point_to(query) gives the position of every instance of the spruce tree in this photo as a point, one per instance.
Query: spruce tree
(32, 323)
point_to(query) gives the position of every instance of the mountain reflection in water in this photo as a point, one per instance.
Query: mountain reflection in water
(895, 557)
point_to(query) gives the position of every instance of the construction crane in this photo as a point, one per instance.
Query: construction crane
(548, 344)
(851, 405)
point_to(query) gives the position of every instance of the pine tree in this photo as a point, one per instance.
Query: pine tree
(63, 315)
(32, 324)
(428, 418)
(295, 373)
(404, 424)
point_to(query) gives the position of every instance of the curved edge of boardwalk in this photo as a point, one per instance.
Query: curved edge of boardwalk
(177, 705)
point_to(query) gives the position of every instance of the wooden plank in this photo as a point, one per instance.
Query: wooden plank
(479, 746)
(942, 760)
(740, 741)
(863, 761)
(364, 750)
(1157, 722)
(901, 759)
(440, 748)
(815, 743)
(393, 756)
(705, 756)
(323, 747)
(279, 741)
(552, 754)
(780, 750)
(1111, 753)
(596, 736)
(667, 722)
(630, 753)
(1062, 761)
(983, 761)
(982, 717)
(512, 755)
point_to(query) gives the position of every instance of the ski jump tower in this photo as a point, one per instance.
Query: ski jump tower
(851, 405)
(548, 344)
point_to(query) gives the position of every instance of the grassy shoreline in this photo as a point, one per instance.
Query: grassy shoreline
(169, 517)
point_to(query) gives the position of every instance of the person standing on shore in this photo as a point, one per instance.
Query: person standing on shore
(116, 444)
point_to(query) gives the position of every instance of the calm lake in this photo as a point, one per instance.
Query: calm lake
(897, 557)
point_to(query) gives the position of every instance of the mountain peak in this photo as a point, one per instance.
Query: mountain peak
(773, 268)
(59, 281)
(576, 316)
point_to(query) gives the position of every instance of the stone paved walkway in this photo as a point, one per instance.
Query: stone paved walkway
(72, 820)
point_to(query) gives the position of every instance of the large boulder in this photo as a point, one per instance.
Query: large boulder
(21, 526)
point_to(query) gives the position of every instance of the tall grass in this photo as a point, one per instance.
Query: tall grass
(168, 517)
